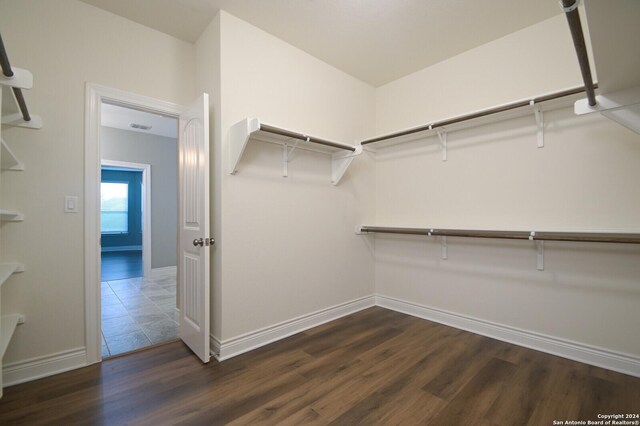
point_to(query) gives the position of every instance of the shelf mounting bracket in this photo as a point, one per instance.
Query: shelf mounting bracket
(239, 137)
(442, 135)
(285, 160)
(539, 115)
(539, 251)
(445, 250)
(340, 162)
(286, 155)
(540, 248)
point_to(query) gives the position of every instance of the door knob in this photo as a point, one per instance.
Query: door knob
(204, 242)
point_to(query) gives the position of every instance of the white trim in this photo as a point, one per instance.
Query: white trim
(600, 357)
(146, 208)
(164, 271)
(43, 366)
(35, 368)
(255, 339)
(94, 95)
(214, 346)
(120, 248)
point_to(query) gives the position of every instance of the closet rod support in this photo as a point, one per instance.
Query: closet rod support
(445, 251)
(285, 160)
(539, 116)
(442, 135)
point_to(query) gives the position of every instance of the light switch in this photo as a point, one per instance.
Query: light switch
(70, 204)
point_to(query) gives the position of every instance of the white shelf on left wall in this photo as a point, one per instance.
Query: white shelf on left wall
(11, 216)
(252, 129)
(11, 114)
(14, 112)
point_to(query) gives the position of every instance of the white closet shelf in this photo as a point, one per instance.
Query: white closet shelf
(21, 79)
(615, 56)
(574, 236)
(251, 129)
(11, 115)
(8, 324)
(7, 269)
(11, 216)
(536, 237)
(9, 160)
(520, 108)
(622, 106)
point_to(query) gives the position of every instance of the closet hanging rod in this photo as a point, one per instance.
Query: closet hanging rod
(295, 135)
(593, 237)
(479, 114)
(570, 9)
(8, 72)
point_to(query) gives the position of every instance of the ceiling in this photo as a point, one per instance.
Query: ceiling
(120, 117)
(376, 41)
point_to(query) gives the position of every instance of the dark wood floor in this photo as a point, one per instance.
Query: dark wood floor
(373, 367)
(119, 265)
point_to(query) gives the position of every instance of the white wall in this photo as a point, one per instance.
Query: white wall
(66, 43)
(527, 63)
(496, 178)
(288, 246)
(162, 154)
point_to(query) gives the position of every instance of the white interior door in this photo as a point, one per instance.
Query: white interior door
(193, 218)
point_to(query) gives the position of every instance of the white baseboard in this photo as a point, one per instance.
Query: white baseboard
(592, 355)
(253, 340)
(43, 366)
(39, 367)
(120, 248)
(214, 346)
(164, 271)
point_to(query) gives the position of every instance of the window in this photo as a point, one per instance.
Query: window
(114, 207)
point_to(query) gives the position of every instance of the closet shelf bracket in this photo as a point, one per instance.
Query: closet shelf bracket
(445, 249)
(340, 162)
(8, 269)
(539, 250)
(442, 135)
(8, 159)
(286, 156)
(539, 116)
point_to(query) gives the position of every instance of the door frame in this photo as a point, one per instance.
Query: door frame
(95, 94)
(146, 207)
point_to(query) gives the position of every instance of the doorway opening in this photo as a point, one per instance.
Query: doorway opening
(193, 256)
(138, 228)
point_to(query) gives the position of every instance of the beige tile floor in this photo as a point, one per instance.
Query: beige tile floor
(138, 312)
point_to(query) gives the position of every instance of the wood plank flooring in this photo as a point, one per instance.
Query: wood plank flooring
(119, 265)
(374, 367)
